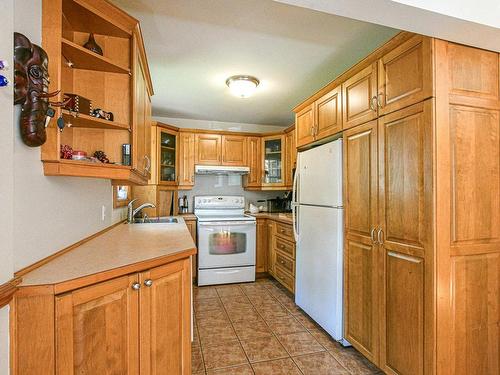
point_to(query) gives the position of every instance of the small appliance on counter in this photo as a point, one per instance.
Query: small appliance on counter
(183, 205)
(280, 204)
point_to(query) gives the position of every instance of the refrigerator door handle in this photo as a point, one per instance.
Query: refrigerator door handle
(295, 206)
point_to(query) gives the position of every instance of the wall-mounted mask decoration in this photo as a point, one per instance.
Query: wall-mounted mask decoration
(31, 82)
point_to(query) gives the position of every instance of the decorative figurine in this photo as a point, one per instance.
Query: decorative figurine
(92, 45)
(101, 156)
(99, 113)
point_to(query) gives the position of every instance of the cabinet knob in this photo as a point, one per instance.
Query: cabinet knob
(148, 282)
(136, 286)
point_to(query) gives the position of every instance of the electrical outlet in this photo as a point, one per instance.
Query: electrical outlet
(103, 213)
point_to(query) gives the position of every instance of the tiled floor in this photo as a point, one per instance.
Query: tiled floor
(256, 328)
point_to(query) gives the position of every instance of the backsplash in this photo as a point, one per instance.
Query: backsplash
(225, 185)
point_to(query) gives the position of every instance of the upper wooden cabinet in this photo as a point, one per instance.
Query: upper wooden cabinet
(405, 75)
(117, 82)
(328, 114)
(273, 162)
(359, 96)
(254, 157)
(167, 156)
(186, 159)
(234, 150)
(304, 126)
(208, 149)
(291, 157)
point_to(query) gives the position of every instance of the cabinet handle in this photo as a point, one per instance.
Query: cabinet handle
(136, 286)
(148, 282)
(373, 105)
(380, 237)
(372, 236)
(379, 100)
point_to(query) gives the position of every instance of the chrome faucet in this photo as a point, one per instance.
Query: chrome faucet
(131, 212)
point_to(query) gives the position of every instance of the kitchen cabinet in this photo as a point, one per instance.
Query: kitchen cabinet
(208, 150)
(186, 159)
(359, 97)
(273, 150)
(254, 158)
(405, 75)
(191, 224)
(328, 114)
(304, 126)
(281, 261)
(234, 150)
(261, 246)
(291, 157)
(167, 156)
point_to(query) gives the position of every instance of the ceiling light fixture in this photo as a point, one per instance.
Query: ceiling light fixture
(242, 86)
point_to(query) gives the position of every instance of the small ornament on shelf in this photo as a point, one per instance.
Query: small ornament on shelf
(99, 113)
(101, 156)
(66, 152)
(92, 45)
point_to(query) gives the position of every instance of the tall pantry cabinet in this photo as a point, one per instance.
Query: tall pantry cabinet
(422, 207)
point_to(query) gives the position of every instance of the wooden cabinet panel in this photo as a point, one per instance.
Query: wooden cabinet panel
(291, 158)
(360, 252)
(208, 149)
(234, 150)
(97, 329)
(273, 161)
(405, 179)
(405, 75)
(402, 331)
(359, 96)
(328, 112)
(167, 156)
(271, 252)
(254, 159)
(186, 159)
(304, 123)
(166, 319)
(284, 246)
(285, 231)
(285, 279)
(285, 263)
(191, 225)
(262, 246)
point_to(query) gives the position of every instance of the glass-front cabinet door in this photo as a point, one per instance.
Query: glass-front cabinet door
(273, 148)
(167, 157)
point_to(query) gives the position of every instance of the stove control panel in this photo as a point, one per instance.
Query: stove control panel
(219, 201)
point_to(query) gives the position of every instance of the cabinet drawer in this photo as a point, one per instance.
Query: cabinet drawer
(285, 263)
(285, 279)
(284, 246)
(285, 231)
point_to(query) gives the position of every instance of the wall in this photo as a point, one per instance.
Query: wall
(219, 125)
(6, 178)
(50, 213)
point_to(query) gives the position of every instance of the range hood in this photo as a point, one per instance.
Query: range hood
(221, 170)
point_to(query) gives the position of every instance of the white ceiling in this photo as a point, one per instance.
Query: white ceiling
(194, 45)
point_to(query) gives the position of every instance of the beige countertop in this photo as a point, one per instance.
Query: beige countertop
(285, 217)
(120, 247)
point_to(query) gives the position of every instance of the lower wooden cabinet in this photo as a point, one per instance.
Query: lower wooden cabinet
(281, 254)
(262, 246)
(134, 324)
(191, 225)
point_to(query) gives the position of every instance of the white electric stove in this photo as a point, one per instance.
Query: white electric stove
(226, 240)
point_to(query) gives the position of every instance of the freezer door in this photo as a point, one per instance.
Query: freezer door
(320, 175)
(318, 285)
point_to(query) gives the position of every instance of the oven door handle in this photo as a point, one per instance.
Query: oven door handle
(225, 223)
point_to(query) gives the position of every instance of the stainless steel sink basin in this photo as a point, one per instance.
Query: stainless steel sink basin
(153, 220)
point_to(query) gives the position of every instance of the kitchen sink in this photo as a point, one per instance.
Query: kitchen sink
(153, 220)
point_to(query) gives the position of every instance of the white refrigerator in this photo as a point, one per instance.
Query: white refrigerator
(318, 229)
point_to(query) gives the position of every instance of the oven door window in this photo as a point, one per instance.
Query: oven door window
(225, 242)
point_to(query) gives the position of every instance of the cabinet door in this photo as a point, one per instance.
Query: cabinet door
(405, 218)
(328, 114)
(191, 225)
(290, 159)
(97, 329)
(254, 159)
(167, 157)
(208, 149)
(271, 254)
(304, 124)
(166, 319)
(234, 150)
(186, 159)
(359, 97)
(141, 127)
(262, 241)
(360, 251)
(405, 75)
(274, 160)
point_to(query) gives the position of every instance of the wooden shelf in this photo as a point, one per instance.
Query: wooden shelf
(83, 58)
(168, 148)
(86, 121)
(167, 165)
(76, 168)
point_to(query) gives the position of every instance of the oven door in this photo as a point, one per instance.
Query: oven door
(226, 244)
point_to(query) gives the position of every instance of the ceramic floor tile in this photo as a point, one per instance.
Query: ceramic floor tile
(238, 370)
(247, 330)
(207, 304)
(306, 321)
(277, 367)
(324, 339)
(196, 359)
(285, 324)
(236, 301)
(211, 317)
(204, 292)
(216, 335)
(354, 362)
(263, 349)
(242, 314)
(319, 364)
(229, 290)
(254, 288)
(292, 307)
(300, 343)
(227, 355)
(261, 299)
(272, 313)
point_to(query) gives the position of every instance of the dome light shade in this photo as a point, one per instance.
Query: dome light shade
(242, 86)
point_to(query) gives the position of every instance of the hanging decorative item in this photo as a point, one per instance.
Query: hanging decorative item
(31, 81)
(92, 45)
